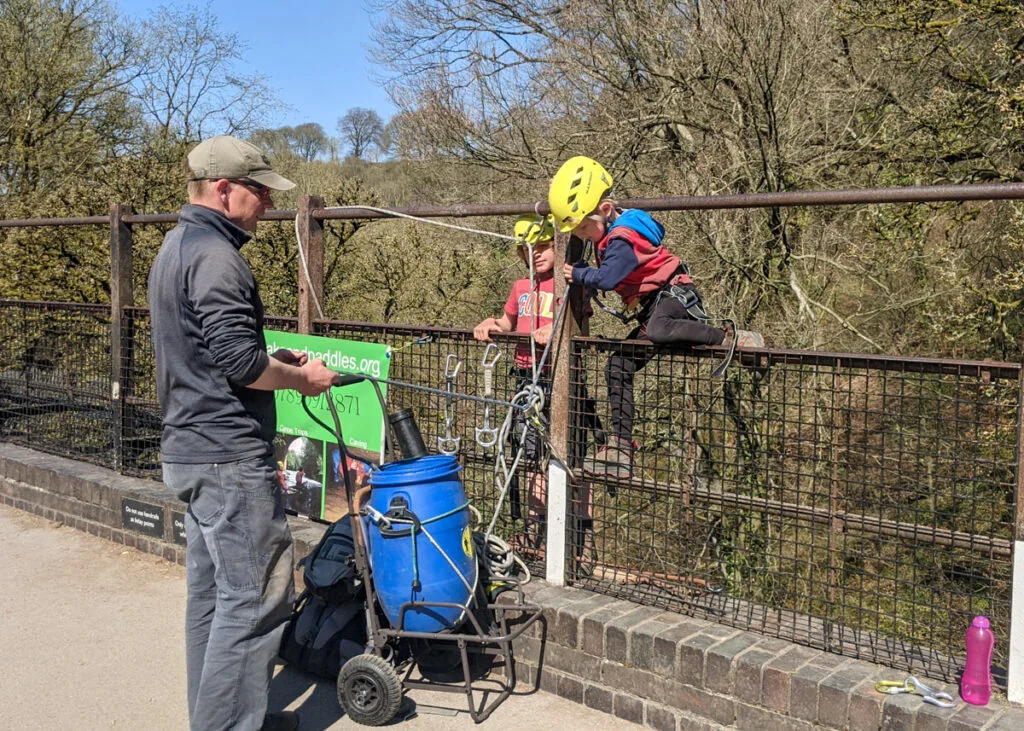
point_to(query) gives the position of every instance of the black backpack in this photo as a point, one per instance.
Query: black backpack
(328, 623)
(329, 571)
(321, 637)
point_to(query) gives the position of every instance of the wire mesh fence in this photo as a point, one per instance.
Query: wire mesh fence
(859, 505)
(421, 358)
(55, 367)
(863, 505)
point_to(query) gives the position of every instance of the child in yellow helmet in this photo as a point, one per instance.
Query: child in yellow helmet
(530, 310)
(651, 281)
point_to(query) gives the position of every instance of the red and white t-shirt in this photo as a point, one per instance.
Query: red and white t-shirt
(523, 304)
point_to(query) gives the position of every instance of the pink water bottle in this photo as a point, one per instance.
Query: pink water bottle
(976, 683)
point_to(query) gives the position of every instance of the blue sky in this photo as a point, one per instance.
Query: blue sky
(320, 46)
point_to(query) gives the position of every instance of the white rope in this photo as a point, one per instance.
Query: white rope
(395, 214)
(427, 221)
(503, 473)
(305, 269)
(530, 400)
(501, 559)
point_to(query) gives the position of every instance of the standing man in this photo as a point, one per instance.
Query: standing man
(215, 382)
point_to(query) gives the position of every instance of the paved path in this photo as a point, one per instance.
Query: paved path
(91, 638)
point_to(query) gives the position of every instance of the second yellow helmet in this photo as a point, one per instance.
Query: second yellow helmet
(576, 190)
(532, 228)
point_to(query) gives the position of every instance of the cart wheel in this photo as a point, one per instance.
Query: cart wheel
(369, 690)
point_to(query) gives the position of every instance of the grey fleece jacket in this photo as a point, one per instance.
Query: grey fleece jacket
(207, 327)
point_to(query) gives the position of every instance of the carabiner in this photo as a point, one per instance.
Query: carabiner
(488, 365)
(449, 443)
(939, 698)
(449, 371)
(486, 435)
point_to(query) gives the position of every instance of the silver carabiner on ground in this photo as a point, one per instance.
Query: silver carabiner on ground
(449, 444)
(939, 698)
(487, 435)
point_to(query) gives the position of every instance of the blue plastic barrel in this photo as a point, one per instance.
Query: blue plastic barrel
(428, 488)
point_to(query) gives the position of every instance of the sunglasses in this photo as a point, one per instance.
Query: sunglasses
(258, 188)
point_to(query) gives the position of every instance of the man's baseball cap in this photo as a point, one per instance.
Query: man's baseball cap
(229, 157)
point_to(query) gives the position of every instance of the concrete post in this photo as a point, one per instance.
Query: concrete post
(559, 486)
(1015, 669)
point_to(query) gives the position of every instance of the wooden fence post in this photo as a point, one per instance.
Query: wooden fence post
(311, 263)
(122, 332)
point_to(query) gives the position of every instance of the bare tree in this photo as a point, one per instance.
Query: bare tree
(272, 141)
(517, 85)
(669, 94)
(360, 128)
(189, 86)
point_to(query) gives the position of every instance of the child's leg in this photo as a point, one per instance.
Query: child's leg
(538, 498)
(583, 529)
(616, 457)
(619, 374)
(671, 323)
(583, 507)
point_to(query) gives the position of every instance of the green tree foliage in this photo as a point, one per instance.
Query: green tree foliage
(95, 109)
(64, 96)
(65, 115)
(949, 109)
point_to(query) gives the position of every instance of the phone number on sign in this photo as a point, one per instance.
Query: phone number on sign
(344, 403)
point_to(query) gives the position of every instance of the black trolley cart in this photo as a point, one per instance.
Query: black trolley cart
(371, 685)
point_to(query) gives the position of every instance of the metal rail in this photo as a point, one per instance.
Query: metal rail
(843, 197)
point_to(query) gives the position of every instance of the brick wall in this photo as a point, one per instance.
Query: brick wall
(668, 671)
(659, 669)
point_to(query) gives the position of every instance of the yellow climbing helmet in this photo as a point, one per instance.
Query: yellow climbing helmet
(531, 229)
(576, 190)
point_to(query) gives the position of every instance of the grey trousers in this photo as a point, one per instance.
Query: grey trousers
(239, 562)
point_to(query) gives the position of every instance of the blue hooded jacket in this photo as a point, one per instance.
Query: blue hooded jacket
(619, 259)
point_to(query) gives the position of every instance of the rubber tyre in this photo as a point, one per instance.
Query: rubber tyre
(369, 690)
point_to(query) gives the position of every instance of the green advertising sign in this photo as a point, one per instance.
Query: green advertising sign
(309, 463)
(362, 423)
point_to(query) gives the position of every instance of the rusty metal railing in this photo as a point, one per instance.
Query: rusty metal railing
(859, 504)
(867, 505)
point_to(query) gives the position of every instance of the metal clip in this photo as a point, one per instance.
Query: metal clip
(449, 444)
(486, 435)
(938, 698)
(376, 517)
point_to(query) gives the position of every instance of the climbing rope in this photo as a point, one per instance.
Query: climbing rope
(390, 213)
